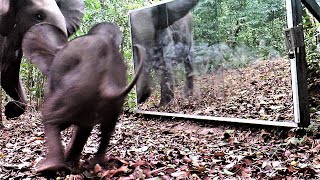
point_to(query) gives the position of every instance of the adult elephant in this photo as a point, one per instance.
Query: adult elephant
(147, 25)
(16, 17)
(176, 42)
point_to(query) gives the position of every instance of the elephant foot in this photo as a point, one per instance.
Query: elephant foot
(73, 162)
(188, 92)
(144, 95)
(97, 159)
(52, 166)
(14, 109)
(165, 100)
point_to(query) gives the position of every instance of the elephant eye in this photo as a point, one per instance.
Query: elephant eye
(39, 16)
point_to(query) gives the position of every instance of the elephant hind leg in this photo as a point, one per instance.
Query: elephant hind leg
(55, 160)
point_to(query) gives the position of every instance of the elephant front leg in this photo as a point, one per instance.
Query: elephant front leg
(11, 83)
(143, 87)
(188, 89)
(143, 83)
(54, 160)
(166, 86)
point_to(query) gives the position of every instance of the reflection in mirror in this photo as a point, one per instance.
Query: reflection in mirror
(217, 58)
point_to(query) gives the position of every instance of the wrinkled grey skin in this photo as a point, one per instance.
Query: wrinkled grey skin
(146, 27)
(16, 17)
(87, 85)
(177, 43)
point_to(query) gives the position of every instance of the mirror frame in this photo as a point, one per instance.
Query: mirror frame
(298, 67)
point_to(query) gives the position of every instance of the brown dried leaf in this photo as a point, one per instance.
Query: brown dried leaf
(97, 168)
(219, 154)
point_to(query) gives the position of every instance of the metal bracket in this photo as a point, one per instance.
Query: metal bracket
(294, 39)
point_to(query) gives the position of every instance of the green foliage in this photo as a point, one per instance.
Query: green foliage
(255, 25)
(33, 81)
(311, 33)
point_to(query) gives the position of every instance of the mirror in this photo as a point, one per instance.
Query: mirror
(223, 58)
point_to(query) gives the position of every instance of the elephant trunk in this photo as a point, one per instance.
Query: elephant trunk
(179, 8)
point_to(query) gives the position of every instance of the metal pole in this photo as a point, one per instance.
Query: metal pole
(298, 67)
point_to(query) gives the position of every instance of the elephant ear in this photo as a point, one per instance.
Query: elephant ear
(7, 16)
(41, 43)
(73, 11)
(110, 30)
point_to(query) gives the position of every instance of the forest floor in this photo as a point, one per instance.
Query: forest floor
(156, 148)
(259, 91)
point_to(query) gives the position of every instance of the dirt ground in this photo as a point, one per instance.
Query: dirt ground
(168, 148)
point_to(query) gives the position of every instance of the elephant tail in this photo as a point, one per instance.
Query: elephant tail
(128, 88)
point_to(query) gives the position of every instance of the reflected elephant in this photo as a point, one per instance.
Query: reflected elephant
(147, 25)
(176, 43)
(87, 85)
(16, 17)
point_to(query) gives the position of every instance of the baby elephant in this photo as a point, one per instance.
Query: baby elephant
(86, 86)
